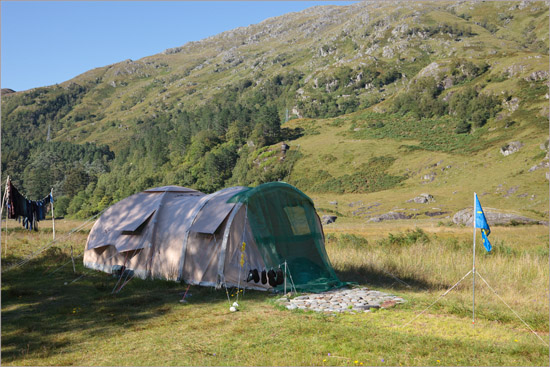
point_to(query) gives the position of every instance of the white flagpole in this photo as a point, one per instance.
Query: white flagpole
(53, 215)
(474, 269)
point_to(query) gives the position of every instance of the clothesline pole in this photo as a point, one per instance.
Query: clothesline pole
(72, 258)
(5, 202)
(53, 214)
(6, 240)
(5, 197)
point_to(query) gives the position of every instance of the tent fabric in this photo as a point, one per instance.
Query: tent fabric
(121, 217)
(170, 189)
(135, 225)
(215, 211)
(238, 233)
(173, 223)
(180, 234)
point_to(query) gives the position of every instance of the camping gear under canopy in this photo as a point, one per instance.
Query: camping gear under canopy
(180, 234)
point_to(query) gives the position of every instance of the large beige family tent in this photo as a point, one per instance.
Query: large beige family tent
(225, 239)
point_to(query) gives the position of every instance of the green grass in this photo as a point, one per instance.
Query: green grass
(433, 134)
(371, 176)
(45, 322)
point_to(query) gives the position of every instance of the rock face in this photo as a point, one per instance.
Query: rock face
(428, 177)
(435, 214)
(511, 148)
(422, 199)
(539, 166)
(465, 217)
(512, 104)
(431, 70)
(390, 216)
(537, 75)
(327, 219)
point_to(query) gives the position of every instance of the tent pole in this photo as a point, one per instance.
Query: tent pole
(474, 269)
(53, 214)
(285, 277)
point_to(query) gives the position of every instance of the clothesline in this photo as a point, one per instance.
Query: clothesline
(29, 212)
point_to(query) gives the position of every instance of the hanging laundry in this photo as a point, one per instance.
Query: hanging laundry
(28, 212)
(16, 202)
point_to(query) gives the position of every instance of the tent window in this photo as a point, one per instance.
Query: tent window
(209, 220)
(137, 225)
(298, 220)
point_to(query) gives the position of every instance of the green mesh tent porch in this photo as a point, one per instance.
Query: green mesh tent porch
(286, 228)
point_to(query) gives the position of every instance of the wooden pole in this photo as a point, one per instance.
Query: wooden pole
(5, 197)
(5, 202)
(72, 258)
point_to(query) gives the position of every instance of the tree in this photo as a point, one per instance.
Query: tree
(76, 180)
(271, 123)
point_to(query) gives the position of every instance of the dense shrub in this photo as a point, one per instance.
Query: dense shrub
(469, 105)
(421, 99)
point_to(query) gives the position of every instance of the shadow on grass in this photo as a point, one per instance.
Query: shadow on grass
(41, 302)
(376, 278)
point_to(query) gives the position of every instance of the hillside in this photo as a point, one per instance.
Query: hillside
(412, 97)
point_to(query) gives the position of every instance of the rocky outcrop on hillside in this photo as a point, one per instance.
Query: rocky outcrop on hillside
(538, 75)
(511, 148)
(422, 199)
(390, 216)
(539, 166)
(494, 217)
(327, 219)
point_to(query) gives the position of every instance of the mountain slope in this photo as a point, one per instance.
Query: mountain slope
(415, 80)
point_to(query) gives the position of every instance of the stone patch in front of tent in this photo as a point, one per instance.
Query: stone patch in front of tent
(342, 300)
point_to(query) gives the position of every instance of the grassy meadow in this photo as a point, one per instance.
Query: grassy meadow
(54, 316)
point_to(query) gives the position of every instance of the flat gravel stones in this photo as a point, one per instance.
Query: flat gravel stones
(342, 300)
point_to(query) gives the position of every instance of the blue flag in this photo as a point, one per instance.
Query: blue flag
(486, 242)
(481, 222)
